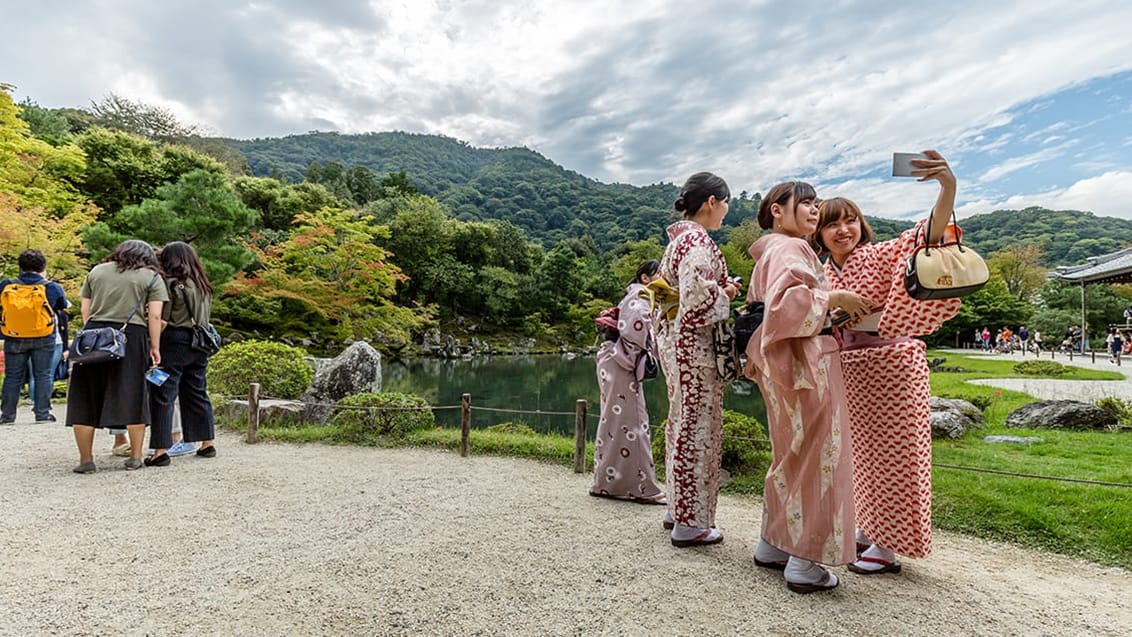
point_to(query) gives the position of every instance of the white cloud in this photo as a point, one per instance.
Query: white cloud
(1105, 195)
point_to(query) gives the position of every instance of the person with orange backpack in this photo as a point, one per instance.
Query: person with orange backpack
(28, 307)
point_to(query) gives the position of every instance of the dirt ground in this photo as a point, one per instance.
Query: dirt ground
(276, 539)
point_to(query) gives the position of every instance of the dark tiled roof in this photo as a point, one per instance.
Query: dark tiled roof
(1115, 267)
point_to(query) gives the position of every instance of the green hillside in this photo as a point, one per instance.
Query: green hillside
(551, 203)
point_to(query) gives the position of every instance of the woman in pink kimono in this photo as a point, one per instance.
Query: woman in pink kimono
(623, 466)
(793, 356)
(886, 374)
(693, 449)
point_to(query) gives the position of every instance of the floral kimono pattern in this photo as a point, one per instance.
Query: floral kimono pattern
(808, 495)
(693, 451)
(623, 465)
(887, 388)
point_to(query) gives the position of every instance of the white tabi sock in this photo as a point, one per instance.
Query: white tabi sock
(862, 538)
(767, 553)
(681, 532)
(875, 551)
(800, 571)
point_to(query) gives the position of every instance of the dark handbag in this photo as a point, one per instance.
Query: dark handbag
(652, 367)
(747, 319)
(205, 337)
(99, 345)
(726, 355)
(103, 344)
(944, 271)
(62, 369)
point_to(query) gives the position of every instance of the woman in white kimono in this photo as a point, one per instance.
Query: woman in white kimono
(623, 466)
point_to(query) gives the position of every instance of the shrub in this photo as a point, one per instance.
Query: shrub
(404, 413)
(280, 370)
(743, 448)
(517, 428)
(1041, 368)
(1122, 409)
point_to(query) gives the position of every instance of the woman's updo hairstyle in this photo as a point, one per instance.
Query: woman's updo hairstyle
(647, 268)
(781, 195)
(697, 190)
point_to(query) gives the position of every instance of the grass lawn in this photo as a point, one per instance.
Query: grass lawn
(1084, 520)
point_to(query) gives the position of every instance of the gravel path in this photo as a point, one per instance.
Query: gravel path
(278, 539)
(1053, 389)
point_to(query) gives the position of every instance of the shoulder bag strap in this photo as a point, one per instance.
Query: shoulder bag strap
(141, 298)
(191, 308)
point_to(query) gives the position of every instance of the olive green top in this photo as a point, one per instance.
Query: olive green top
(186, 304)
(113, 294)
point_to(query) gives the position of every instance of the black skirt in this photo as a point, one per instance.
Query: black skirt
(113, 394)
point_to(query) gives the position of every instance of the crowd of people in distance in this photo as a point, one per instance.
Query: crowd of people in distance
(155, 298)
(848, 415)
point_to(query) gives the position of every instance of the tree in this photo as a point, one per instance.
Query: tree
(201, 209)
(46, 124)
(992, 307)
(154, 122)
(331, 280)
(1020, 268)
(38, 174)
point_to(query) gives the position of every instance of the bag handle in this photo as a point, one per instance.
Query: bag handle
(137, 305)
(927, 245)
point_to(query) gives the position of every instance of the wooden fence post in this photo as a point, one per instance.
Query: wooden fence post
(580, 436)
(465, 423)
(1094, 354)
(253, 413)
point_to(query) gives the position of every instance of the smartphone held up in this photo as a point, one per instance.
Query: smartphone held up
(902, 163)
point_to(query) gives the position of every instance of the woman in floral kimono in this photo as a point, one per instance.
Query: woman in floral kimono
(623, 466)
(793, 356)
(886, 374)
(693, 448)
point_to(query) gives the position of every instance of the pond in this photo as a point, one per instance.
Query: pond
(531, 383)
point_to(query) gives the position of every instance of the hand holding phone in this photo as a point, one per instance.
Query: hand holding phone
(902, 163)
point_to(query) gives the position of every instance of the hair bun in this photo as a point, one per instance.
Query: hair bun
(679, 205)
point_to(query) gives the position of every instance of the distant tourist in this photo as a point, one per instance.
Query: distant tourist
(693, 437)
(29, 309)
(1115, 345)
(623, 465)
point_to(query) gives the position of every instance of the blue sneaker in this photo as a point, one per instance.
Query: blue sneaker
(181, 448)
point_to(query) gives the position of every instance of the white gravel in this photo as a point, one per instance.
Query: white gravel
(277, 539)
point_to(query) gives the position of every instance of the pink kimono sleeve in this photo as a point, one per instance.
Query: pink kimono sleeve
(903, 315)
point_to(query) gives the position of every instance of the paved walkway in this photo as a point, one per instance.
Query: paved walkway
(1053, 389)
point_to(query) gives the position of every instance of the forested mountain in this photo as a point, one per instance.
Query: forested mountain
(547, 201)
(1066, 237)
(551, 203)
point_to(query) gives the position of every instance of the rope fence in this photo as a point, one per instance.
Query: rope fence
(580, 437)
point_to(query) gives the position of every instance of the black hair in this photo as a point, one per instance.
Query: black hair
(32, 261)
(781, 194)
(649, 268)
(181, 263)
(697, 190)
(133, 254)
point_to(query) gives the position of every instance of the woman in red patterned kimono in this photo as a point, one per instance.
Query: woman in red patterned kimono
(793, 356)
(886, 374)
(693, 447)
(623, 467)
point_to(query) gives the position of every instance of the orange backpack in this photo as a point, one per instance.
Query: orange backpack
(24, 311)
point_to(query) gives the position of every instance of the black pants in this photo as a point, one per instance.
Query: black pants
(186, 367)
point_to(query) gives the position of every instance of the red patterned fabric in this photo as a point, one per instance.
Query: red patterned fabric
(693, 264)
(888, 393)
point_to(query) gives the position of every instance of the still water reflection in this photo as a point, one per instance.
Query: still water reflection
(532, 383)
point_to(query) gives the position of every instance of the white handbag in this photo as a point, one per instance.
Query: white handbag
(946, 270)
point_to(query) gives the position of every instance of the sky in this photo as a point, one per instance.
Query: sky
(1030, 101)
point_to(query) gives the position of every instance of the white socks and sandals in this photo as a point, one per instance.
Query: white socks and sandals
(872, 558)
(685, 536)
(802, 576)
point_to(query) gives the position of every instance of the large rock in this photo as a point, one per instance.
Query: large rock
(272, 413)
(952, 417)
(355, 371)
(1061, 414)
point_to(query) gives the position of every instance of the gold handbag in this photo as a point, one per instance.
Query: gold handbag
(944, 271)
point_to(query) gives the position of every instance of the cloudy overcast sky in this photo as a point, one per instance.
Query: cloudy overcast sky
(1030, 100)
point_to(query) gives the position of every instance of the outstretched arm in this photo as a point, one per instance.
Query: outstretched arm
(936, 167)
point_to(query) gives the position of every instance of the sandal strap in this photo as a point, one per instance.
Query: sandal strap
(875, 560)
